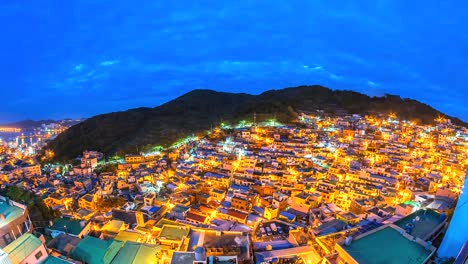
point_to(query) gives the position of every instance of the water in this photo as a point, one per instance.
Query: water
(31, 137)
(6, 136)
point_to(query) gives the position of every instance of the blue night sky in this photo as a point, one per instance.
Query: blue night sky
(80, 58)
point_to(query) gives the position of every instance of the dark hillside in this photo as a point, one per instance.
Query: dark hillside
(198, 110)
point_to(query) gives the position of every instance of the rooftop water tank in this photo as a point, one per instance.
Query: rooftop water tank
(200, 254)
(348, 240)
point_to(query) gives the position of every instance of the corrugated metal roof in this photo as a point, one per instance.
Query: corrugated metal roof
(22, 247)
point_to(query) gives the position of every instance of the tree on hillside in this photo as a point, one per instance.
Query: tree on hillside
(108, 167)
(106, 204)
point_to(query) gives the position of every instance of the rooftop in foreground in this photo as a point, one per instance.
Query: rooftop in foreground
(307, 253)
(428, 221)
(90, 249)
(386, 246)
(55, 260)
(22, 247)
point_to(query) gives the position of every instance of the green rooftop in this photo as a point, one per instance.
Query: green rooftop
(137, 253)
(174, 232)
(412, 203)
(55, 260)
(70, 226)
(112, 251)
(91, 250)
(386, 246)
(113, 226)
(165, 221)
(428, 221)
(22, 247)
(10, 212)
(125, 236)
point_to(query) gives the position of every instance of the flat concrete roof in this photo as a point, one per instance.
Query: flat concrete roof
(174, 232)
(386, 246)
(10, 212)
(427, 223)
(305, 251)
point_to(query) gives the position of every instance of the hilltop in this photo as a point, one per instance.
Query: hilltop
(199, 110)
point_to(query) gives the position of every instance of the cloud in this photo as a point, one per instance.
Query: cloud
(109, 62)
(335, 77)
(79, 67)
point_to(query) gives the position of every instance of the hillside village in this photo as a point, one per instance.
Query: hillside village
(320, 191)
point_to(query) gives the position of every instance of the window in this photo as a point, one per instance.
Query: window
(38, 255)
(24, 227)
(7, 238)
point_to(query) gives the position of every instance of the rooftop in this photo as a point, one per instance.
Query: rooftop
(10, 212)
(22, 247)
(88, 197)
(137, 253)
(90, 250)
(55, 260)
(228, 243)
(70, 226)
(427, 223)
(386, 246)
(113, 226)
(307, 252)
(196, 217)
(165, 221)
(126, 235)
(112, 251)
(183, 258)
(64, 243)
(348, 215)
(180, 208)
(174, 232)
(236, 214)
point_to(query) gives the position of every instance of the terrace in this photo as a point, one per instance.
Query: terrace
(174, 233)
(422, 223)
(226, 244)
(385, 245)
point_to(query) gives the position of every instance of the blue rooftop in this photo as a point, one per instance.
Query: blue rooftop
(289, 216)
